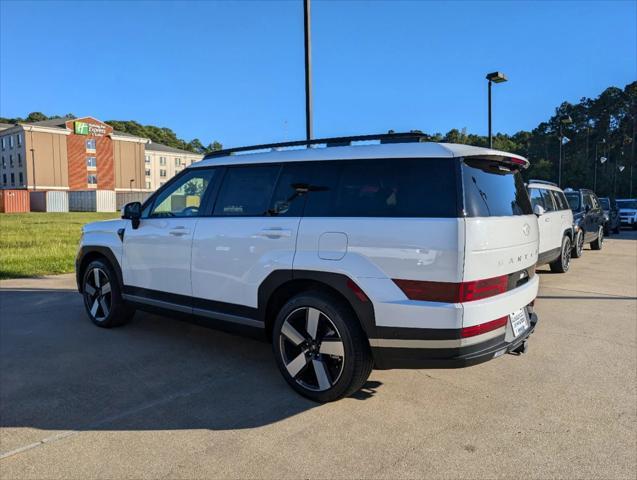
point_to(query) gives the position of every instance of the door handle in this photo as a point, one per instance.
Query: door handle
(179, 231)
(275, 233)
(547, 219)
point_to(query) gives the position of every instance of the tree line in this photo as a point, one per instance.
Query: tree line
(601, 128)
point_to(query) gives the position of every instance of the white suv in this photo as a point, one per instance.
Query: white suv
(393, 255)
(555, 221)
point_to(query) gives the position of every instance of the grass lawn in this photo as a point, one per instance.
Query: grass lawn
(33, 244)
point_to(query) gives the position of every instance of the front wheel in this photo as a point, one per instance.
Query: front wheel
(102, 296)
(320, 348)
(561, 264)
(578, 245)
(598, 243)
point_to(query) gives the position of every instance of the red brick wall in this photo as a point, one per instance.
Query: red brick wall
(76, 151)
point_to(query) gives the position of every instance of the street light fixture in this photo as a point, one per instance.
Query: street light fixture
(564, 120)
(493, 77)
(602, 160)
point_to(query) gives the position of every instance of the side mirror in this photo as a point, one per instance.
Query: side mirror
(133, 212)
(539, 210)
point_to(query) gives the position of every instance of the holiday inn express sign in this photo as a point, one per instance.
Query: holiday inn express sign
(85, 128)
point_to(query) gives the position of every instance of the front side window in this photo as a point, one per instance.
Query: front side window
(493, 190)
(90, 144)
(92, 179)
(549, 201)
(588, 201)
(91, 162)
(246, 191)
(183, 198)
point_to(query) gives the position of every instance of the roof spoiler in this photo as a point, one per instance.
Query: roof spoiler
(509, 159)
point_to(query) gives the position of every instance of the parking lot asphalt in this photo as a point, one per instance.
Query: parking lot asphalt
(160, 398)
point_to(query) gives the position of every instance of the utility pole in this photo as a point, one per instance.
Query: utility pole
(308, 70)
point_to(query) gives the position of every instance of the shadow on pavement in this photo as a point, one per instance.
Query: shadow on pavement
(60, 372)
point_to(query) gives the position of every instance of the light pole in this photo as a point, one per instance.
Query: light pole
(494, 77)
(595, 170)
(308, 70)
(565, 119)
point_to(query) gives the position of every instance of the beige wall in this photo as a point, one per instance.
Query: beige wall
(129, 164)
(51, 164)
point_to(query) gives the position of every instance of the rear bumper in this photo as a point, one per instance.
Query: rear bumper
(410, 358)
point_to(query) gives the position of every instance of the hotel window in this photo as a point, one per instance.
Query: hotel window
(92, 179)
(19, 159)
(162, 161)
(177, 162)
(147, 159)
(4, 178)
(91, 162)
(21, 178)
(90, 144)
(11, 161)
(148, 172)
(13, 179)
(162, 173)
(10, 141)
(19, 137)
(147, 185)
(4, 162)
(3, 142)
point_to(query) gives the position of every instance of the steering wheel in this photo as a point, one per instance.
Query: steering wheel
(190, 211)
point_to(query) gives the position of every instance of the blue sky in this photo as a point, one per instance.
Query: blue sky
(233, 71)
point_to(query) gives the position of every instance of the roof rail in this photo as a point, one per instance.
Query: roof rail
(403, 137)
(545, 182)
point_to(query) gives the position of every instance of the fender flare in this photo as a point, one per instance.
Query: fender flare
(102, 251)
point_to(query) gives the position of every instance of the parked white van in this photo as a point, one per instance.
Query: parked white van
(555, 221)
(400, 254)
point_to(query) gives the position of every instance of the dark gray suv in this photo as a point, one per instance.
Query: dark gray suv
(588, 219)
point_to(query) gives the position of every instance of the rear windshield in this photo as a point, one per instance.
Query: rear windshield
(629, 204)
(493, 190)
(573, 200)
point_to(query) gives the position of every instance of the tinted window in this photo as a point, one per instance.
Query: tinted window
(562, 197)
(627, 204)
(573, 200)
(246, 191)
(588, 201)
(549, 201)
(492, 190)
(183, 196)
(536, 198)
(604, 203)
(384, 188)
(291, 190)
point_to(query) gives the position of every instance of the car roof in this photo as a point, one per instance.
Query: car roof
(358, 152)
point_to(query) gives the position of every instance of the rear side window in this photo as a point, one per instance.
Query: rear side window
(563, 204)
(246, 191)
(492, 190)
(384, 188)
(292, 189)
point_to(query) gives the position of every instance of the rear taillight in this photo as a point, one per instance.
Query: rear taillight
(483, 327)
(448, 292)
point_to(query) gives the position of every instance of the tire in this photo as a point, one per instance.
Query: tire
(561, 264)
(578, 246)
(598, 243)
(102, 296)
(320, 347)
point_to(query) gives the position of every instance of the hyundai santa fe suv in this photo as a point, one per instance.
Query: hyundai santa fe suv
(402, 254)
(555, 223)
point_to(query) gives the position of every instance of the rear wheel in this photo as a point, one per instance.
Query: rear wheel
(561, 264)
(320, 348)
(102, 296)
(578, 245)
(598, 243)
